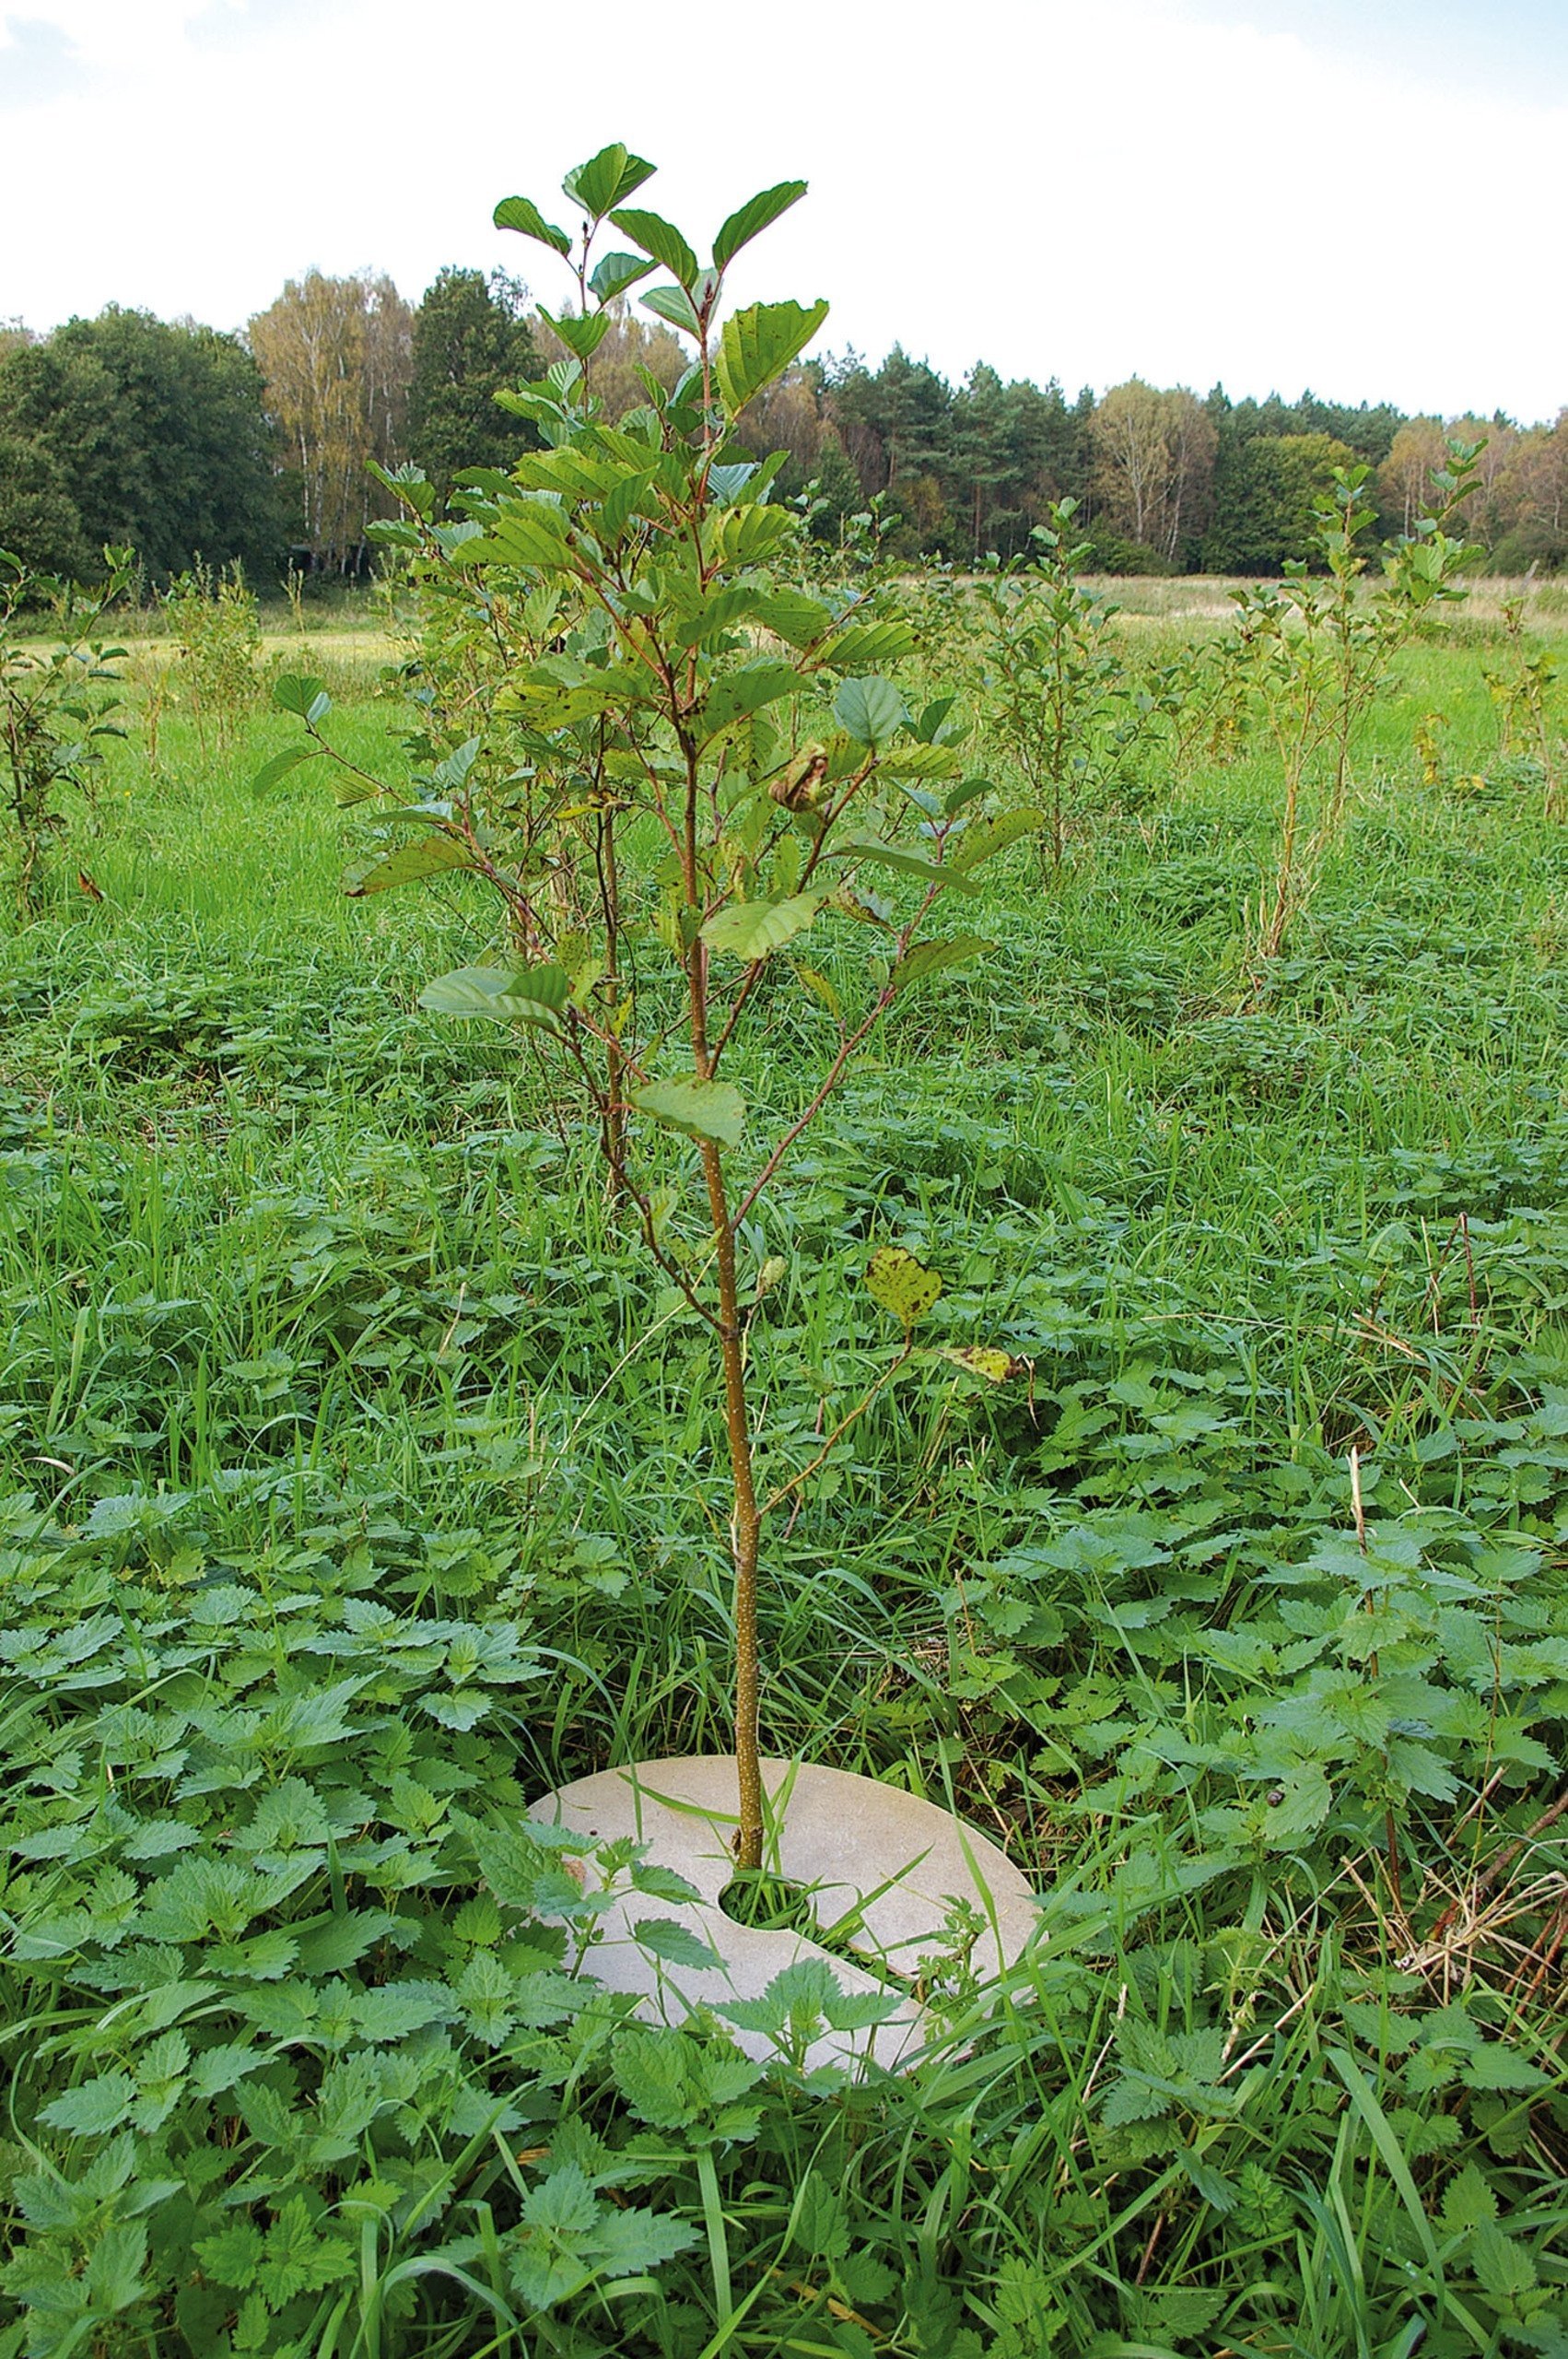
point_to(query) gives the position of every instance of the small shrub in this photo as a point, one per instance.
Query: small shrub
(54, 709)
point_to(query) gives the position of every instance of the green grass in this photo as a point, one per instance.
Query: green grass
(364, 1483)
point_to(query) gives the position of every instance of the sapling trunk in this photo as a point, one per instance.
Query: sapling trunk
(745, 1521)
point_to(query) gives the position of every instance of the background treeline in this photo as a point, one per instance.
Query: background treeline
(179, 441)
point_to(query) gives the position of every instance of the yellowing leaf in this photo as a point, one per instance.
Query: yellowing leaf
(900, 1284)
(985, 1359)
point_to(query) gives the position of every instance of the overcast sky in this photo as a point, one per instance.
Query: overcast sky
(1364, 196)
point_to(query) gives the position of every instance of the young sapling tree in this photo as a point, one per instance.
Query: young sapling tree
(671, 764)
(1315, 649)
(1058, 697)
(56, 705)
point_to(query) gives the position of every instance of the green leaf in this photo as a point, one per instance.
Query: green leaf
(630, 2243)
(744, 691)
(672, 303)
(663, 241)
(390, 2011)
(750, 219)
(758, 345)
(653, 2072)
(292, 692)
(983, 841)
(1468, 2201)
(703, 1110)
(871, 712)
(793, 618)
(530, 533)
(822, 2222)
(900, 1284)
(666, 1938)
(615, 273)
(662, 1884)
(753, 930)
(606, 180)
(280, 765)
(582, 336)
(930, 958)
(938, 762)
(867, 643)
(718, 613)
(1503, 2266)
(521, 213)
(1388, 2145)
(94, 2109)
(428, 854)
(906, 862)
(1502, 2068)
(529, 996)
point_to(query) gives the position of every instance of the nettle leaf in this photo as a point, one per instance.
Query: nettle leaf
(931, 957)
(703, 1110)
(901, 1285)
(94, 2109)
(750, 219)
(663, 241)
(1503, 2267)
(528, 995)
(606, 180)
(870, 711)
(665, 1938)
(432, 854)
(653, 2072)
(662, 1884)
(389, 2011)
(758, 345)
(1495, 2066)
(1470, 2200)
(521, 213)
(753, 929)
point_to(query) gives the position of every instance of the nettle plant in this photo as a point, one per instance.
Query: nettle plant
(1315, 649)
(677, 771)
(56, 705)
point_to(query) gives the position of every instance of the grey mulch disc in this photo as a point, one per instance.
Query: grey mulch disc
(856, 1847)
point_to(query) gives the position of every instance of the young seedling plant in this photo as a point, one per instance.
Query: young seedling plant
(677, 771)
(56, 708)
(1058, 696)
(1315, 649)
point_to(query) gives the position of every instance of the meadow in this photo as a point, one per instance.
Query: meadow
(361, 1483)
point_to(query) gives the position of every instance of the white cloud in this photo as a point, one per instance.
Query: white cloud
(1083, 192)
(38, 63)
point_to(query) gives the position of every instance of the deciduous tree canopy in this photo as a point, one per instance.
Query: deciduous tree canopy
(131, 430)
(183, 442)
